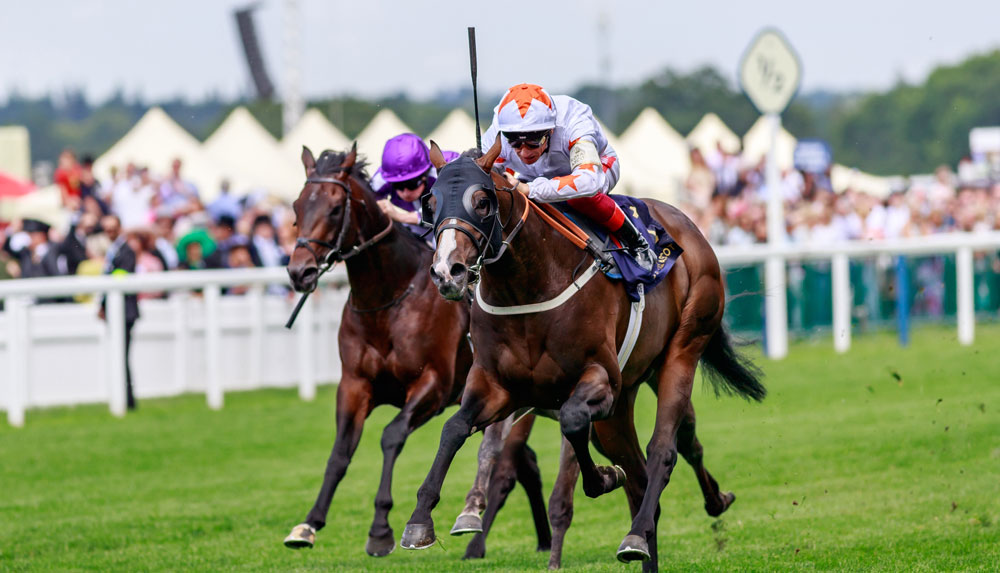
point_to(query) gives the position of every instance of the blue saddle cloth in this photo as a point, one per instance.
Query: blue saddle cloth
(664, 247)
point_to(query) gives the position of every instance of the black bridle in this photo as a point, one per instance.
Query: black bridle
(334, 253)
(489, 250)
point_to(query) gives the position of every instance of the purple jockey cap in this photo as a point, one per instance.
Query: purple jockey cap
(404, 157)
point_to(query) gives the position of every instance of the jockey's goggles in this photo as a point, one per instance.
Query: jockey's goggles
(410, 183)
(529, 139)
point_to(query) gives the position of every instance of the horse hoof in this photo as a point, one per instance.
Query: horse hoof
(417, 536)
(619, 477)
(716, 510)
(467, 523)
(302, 535)
(380, 546)
(475, 550)
(633, 548)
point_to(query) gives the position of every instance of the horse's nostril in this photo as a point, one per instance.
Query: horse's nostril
(457, 270)
(306, 277)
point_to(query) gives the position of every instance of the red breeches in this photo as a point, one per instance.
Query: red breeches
(600, 209)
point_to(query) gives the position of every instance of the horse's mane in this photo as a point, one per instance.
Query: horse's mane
(330, 161)
(473, 152)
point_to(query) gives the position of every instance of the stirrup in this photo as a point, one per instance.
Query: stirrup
(644, 258)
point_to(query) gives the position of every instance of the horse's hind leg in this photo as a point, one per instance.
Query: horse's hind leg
(689, 447)
(591, 399)
(354, 403)
(561, 501)
(469, 520)
(420, 406)
(517, 463)
(673, 393)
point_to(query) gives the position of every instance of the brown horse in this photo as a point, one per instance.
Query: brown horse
(400, 343)
(565, 357)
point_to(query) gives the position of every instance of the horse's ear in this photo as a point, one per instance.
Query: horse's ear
(486, 161)
(351, 158)
(308, 161)
(437, 156)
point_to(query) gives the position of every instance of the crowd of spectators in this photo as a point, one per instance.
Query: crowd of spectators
(160, 216)
(727, 200)
(164, 220)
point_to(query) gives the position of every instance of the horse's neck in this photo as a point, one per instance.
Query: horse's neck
(377, 273)
(538, 264)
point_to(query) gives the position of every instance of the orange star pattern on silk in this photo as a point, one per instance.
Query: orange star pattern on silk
(566, 181)
(523, 94)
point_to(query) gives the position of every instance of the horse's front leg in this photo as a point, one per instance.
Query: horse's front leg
(483, 403)
(354, 403)
(469, 520)
(421, 404)
(592, 399)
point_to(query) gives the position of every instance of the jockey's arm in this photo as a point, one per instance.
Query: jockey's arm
(586, 179)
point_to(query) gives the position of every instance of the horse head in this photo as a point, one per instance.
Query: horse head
(323, 215)
(465, 213)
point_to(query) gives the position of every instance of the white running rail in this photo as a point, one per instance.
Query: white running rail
(62, 354)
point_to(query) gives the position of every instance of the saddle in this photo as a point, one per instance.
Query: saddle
(614, 261)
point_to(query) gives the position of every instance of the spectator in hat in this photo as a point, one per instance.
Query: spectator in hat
(36, 255)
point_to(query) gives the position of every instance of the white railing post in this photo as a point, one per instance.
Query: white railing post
(213, 347)
(179, 307)
(18, 345)
(841, 302)
(255, 298)
(115, 315)
(306, 339)
(775, 299)
(966, 303)
(775, 307)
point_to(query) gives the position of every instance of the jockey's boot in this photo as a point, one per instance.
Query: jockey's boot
(635, 243)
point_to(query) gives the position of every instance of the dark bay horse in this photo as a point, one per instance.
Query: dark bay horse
(564, 358)
(400, 342)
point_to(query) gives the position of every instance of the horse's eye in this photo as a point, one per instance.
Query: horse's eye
(483, 203)
(336, 211)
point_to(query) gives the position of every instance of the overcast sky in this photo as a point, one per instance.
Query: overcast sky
(165, 48)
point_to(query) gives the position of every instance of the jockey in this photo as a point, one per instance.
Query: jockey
(406, 174)
(559, 151)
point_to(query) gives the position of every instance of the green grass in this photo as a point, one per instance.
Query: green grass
(843, 467)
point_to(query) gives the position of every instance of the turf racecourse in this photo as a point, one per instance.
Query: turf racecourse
(880, 459)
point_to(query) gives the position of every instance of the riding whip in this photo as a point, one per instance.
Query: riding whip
(475, 95)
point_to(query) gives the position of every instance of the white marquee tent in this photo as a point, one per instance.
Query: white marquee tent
(316, 132)
(457, 132)
(383, 127)
(842, 178)
(251, 158)
(712, 131)
(155, 141)
(655, 157)
(757, 141)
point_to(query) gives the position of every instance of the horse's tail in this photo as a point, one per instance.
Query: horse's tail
(729, 371)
